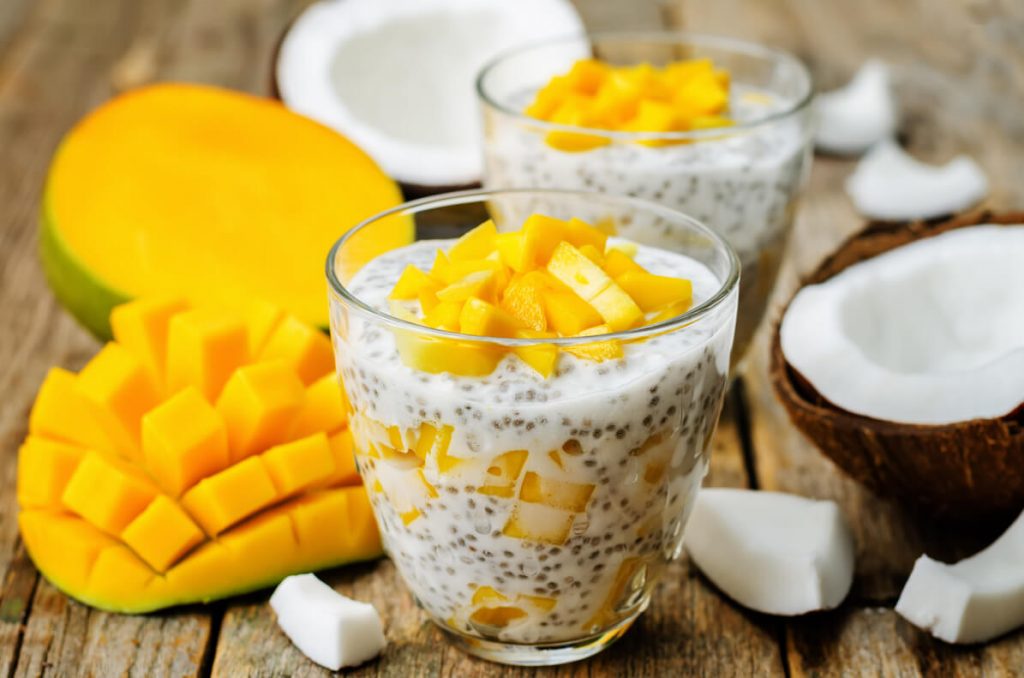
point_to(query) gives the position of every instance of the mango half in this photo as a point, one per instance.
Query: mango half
(201, 454)
(195, 191)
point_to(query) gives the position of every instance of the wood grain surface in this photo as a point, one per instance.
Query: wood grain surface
(959, 67)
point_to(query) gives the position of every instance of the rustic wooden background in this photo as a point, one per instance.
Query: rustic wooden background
(959, 68)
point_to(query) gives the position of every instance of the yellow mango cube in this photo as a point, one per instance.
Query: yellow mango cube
(573, 269)
(702, 94)
(523, 300)
(162, 533)
(183, 441)
(474, 359)
(502, 474)
(115, 569)
(607, 349)
(122, 390)
(582, 234)
(561, 494)
(475, 244)
(479, 284)
(324, 408)
(204, 346)
(654, 292)
(67, 543)
(539, 523)
(258, 405)
(575, 142)
(617, 262)
(652, 116)
(592, 253)
(261, 318)
(541, 357)
(300, 464)
(62, 412)
(44, 469)
(219, 501)
(343, 453)
(511, 248)
(487, 320)
(141, 327)
(541, 235)
(106, 493)
(302, 347)
(444, 316)
(485, 595)
(586, 75)
(617, 308)
(267, 538)
(317, 515)
(411, 283)
(567, 314)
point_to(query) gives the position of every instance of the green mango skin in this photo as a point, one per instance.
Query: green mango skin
(85, 296)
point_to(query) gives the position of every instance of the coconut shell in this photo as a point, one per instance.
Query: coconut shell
(968, 471)
(409, 191)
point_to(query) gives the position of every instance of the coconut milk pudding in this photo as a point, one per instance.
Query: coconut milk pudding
(743, 183)
(525, 508)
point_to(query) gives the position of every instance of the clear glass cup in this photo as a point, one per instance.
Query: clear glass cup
(530, 516)
(742, 181)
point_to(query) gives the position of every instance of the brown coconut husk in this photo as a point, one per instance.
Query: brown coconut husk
(972, 470)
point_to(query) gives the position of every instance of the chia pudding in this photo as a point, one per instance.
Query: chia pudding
(525, 509)
(742, 181)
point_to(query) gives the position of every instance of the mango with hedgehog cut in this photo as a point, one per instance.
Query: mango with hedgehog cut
(188, 190)
(138, 493)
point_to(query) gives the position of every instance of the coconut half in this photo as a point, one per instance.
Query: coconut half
(854, 118)
(772, 552)
(903, 359)
(889, 184)
(397, 76)
(974, 600)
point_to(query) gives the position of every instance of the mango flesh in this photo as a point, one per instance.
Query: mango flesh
(680, 96)
(551, 278)
(139, 491)
(182, 190)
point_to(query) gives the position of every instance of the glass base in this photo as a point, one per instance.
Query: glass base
(550, 654)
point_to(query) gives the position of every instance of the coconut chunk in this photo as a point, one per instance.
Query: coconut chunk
(974, 600)
(928, 333)
(327, 627)
(397, 76)
(890, 185)
(772, 552)
(854, 118)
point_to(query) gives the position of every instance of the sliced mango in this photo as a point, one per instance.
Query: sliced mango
(539, 523)
(142, 329)
(503, 473)
(131, 529)
(655, 292)
(187, 190)
(556, 493)
(305, 349)
(204, 347)
(183, 441)
(259, 406)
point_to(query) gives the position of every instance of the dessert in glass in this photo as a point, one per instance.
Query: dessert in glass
(532, 403)
(716, 128)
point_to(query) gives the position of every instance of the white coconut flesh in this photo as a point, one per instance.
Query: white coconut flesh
(928, 333)
(330, 629)
(974, 600)
(888, 184)
(397, 76)
(853, 118)
(772, 552)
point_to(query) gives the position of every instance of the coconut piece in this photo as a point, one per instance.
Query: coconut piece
(327, 627)
(928, 333)
(888, 184)
(963, 471)
(974, 600)
(396, 76)
(854, 118)
(772, 552)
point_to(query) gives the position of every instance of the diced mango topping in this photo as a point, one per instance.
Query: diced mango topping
(681, 96)
(550, 279)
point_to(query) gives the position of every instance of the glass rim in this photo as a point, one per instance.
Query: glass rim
(725, 289)
(667, 37)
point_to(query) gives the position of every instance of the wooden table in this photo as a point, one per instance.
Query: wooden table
(959, 68)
